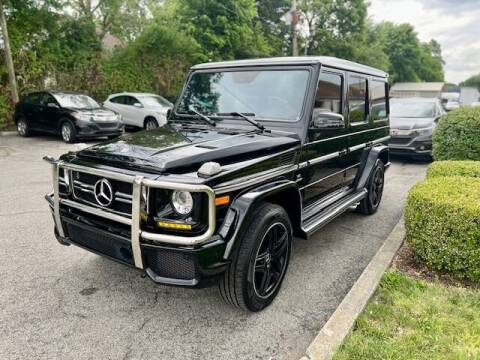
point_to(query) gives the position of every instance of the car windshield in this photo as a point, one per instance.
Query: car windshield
(410, 109)
(155, 101)
(76, 101)
(267, 94)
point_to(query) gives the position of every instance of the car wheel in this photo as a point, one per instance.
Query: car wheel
(150, 124)
(256, 272)
(369, 205)
(23, 128)
(68, 132)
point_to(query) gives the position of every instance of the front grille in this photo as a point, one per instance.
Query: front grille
(101, 242)
(106, 125)
(171, 264)
(399, 140)
(84, 188)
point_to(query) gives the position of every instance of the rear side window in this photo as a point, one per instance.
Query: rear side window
(357, 99)
(130, 100)
(329, 93)
(33, 99)
(379, 99)
(118, 100)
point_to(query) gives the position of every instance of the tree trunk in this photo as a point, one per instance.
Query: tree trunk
(8, 55)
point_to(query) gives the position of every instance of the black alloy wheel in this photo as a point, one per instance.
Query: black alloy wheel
(258, 267)
(369, 205)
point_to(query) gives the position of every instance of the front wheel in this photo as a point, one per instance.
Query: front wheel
(256, 272)
(150, 124)
(68, 132)
(369, 205)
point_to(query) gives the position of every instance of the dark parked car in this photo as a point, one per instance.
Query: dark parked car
(254, 153)
(73, 116)
(412, 122)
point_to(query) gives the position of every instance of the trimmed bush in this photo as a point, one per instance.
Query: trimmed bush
(454, 168)
(442, 219)
(457, 136)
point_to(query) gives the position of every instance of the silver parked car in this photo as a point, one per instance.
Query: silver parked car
(141, 110)
(412, 121)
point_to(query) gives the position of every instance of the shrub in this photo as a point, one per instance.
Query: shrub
(454, 168)
(457, 136)
(442, 219)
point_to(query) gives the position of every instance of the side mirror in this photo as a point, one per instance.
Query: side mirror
(138, 105)
(53, 106)
(322, 119)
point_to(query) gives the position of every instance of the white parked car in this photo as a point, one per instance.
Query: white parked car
(142, 110)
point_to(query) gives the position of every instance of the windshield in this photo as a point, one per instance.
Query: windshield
(76, 101)
(268, 94)
(412, 109)
(155, 101)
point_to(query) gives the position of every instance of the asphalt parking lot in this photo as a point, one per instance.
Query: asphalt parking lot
(63, 302)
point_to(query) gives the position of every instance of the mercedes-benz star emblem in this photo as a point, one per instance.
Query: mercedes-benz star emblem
(103, 192)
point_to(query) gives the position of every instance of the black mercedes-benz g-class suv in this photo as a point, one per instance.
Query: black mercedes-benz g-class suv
(254, 153)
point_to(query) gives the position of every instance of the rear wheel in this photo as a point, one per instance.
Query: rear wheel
(67, 130)
(150, 123)
(23, 128)
(255, 274)
(369, 205)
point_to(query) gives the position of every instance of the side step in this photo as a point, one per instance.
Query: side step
(314, 223)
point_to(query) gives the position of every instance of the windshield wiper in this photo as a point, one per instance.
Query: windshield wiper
(203, 117)
(247, 118)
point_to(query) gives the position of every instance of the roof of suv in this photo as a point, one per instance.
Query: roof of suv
(132, 94)
(299, 60)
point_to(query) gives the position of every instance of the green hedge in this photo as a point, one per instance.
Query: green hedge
(454, 168)
(442, 219)
(457, 136)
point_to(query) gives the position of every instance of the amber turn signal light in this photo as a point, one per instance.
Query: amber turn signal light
(222, 200)
(174, 226)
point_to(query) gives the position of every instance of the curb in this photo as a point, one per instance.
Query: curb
(7, 133)
(333, 333)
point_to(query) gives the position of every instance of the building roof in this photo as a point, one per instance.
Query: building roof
(421, 86)
(299, 60)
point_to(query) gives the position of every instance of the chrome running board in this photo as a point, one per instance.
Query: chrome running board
(312, 224)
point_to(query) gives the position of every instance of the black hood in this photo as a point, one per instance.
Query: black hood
(172, 150)
(411, 123)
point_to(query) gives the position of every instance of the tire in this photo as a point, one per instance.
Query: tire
(150, 123)
(369, 205)
(68, 132)
(264, 252)
(23, 128)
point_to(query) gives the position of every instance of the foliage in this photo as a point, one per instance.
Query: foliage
(441, 218)
(457, 136)
(411, 319)
(454, 168)
(410, 60)
(473, 81)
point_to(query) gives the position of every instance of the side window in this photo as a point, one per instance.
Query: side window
(357, 99)
(49, 99)
(118, 100)
(43, 98)
(32, 99)
(329, 93)
(379, 99)
(130, 100)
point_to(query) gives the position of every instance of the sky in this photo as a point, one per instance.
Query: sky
(455, 24)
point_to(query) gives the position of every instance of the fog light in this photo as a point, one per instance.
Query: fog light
(422, 147)
(173, 225)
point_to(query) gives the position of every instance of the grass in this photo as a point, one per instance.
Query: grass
(414, 319)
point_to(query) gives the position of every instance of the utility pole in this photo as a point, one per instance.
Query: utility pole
(295, 20)
(8, 55)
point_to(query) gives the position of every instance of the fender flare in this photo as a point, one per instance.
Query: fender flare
(368, 163)
(240, 211)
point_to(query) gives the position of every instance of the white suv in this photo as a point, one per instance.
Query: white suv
(142, 110)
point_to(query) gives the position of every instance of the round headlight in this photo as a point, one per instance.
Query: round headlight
(182, 202)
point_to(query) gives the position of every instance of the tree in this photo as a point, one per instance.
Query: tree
(473, 81)
(277, 34)
(226, 30)
(8, 55)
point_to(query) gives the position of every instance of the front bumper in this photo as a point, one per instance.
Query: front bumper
(416, 146)
(90, 130)
(168, 259)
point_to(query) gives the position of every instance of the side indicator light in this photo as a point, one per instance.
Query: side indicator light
(222, 200)
(174, 226)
